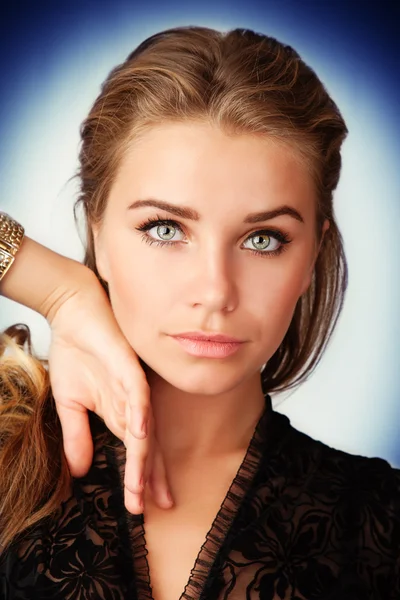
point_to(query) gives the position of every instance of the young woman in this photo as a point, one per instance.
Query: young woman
(207, 168)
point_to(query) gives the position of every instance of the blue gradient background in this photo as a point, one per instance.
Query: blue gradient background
(53, 59)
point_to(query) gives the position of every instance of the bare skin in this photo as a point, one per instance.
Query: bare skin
(199, 488)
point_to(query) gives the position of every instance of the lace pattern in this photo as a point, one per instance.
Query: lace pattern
(301, 521)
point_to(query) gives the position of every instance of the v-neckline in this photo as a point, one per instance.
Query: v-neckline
(215, 537)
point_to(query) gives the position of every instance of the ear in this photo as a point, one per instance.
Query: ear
(100, 252)
(310, 272)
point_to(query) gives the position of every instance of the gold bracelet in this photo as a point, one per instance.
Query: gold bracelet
(11, 236)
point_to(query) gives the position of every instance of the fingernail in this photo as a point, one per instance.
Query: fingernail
(169, 498)
(143, 427)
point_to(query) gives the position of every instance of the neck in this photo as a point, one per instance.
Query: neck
(192, 426)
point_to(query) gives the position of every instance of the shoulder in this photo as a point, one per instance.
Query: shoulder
(336, 515)
(318, 455)
(343, 466)
(357, 497)
(330, 469)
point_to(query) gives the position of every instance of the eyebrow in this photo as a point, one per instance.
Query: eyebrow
(184, 212)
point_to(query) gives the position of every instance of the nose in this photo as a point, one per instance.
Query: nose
(213, 283)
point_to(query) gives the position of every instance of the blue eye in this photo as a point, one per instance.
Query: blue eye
(274, 234)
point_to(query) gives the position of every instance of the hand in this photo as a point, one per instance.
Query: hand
(93, 367)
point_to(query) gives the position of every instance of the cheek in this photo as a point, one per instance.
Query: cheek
(276, 305)
(283, 283)
(134, 295)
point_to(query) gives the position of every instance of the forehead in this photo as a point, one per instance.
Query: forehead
(193, 161)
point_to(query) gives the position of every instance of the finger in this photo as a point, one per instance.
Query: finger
(136, 457)
(78, 443)
(137, 392)
(158, 481)
(133, 502)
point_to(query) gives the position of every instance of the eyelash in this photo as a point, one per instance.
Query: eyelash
(281, 236)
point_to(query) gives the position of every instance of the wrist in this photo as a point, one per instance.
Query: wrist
(78, 281)
(42, 279)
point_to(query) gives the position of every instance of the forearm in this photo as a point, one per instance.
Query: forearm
(42, 279)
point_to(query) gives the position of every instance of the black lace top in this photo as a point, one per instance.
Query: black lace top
(300, 521)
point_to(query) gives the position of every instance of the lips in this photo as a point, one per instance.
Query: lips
(211, 337)
(203, 348)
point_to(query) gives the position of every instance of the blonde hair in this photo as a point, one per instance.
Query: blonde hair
(245, 83)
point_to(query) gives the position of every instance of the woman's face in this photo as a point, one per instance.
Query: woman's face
(207, 276)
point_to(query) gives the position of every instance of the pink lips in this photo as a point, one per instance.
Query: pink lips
(212, 337)
(204, 347)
